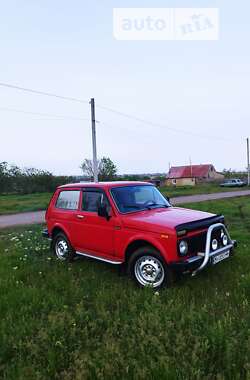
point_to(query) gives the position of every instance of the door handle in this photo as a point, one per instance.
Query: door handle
(80, 216)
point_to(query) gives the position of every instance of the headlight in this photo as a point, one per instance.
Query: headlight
(214, 244)
(183, 247)
(225, 240)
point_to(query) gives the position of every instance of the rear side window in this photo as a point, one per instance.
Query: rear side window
(91, 199)
(68, 200)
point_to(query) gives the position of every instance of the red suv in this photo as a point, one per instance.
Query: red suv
(132, 223)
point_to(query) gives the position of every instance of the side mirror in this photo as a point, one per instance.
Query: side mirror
(103, 211)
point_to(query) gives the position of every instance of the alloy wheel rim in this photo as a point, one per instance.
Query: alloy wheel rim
(149, 271)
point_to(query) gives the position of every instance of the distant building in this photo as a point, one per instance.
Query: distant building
(192, 174)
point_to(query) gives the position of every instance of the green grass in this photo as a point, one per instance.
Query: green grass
(202, 188)
(85, 321)
(11, 204)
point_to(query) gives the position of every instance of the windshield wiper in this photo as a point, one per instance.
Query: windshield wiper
(149, 207)
(132, 206)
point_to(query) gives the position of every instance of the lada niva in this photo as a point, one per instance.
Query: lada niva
(132, 223)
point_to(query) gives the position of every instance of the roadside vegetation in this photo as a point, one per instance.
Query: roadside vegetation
(30, 189)
(85, 321)
(16, 180)
(201, 188)
(14, 203)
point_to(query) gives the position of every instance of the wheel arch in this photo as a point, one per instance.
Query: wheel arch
(139, 243)
(57, 229)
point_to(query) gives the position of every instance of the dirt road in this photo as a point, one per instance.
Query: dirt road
(38, 216)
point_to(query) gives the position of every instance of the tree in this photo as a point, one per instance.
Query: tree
(107, 170)
(87, 168)
(4, 177)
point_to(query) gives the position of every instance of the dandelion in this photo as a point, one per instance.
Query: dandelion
(40, 273)
(227, 294)
(157, 293)
(6, 250)
(15, 268)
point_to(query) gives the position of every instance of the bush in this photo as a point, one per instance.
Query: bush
(28, 180)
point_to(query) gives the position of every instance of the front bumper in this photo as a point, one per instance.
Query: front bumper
(197, 263)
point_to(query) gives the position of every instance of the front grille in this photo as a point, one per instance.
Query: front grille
(197, 243)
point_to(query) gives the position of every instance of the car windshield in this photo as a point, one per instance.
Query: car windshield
(138, 197)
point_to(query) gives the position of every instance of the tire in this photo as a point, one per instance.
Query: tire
(62, 248)
(147, 268)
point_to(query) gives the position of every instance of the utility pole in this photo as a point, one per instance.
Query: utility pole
(248, 164)
(95, 168)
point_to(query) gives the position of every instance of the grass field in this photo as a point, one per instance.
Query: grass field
(85, 321)
(202, 188)
(11, 204)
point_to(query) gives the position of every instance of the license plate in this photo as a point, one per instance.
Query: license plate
(220, 257)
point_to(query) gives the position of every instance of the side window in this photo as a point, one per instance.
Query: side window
(68, 200)
(91, 199)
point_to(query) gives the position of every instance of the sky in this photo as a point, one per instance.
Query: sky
(196, 93)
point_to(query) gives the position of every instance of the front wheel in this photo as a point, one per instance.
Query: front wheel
(148, 268)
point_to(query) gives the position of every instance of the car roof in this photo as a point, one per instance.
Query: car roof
(106, 185)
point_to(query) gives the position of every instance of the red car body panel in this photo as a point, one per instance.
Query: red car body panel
(110, 239)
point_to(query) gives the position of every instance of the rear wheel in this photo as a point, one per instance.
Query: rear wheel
(148, 268)
(62, 247)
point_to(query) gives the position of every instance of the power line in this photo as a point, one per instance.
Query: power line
(132, 117)
(61, 117)
(140, 120)
(174, 130)
(43, 93)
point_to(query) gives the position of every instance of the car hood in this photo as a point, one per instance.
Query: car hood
(162, 219)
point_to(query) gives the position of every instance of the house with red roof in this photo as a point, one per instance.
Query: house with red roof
(191, 174)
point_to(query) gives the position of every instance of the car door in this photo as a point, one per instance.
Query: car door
(93, 233)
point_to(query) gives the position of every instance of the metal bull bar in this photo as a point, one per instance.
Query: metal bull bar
(210, 254)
